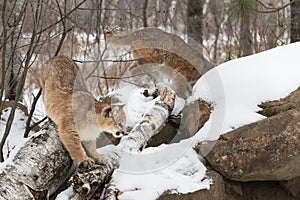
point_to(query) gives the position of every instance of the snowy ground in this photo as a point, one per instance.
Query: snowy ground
(15, 139)
(235, 89)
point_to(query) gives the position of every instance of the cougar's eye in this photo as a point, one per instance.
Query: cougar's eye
(106, 112)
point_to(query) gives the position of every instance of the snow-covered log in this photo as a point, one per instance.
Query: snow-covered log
(38, 169)
(152, 122)
(111, 192)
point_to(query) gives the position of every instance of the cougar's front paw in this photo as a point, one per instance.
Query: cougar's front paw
(86, 164)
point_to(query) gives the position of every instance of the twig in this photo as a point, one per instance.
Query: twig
(28, 57)
(4, 32)
(145, 13)
(97, 61)
(64, 34)
(125, 77)
(35, 100)
(271, 10)
(91, 9)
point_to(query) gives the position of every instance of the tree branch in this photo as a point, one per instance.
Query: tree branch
(271, 10)
(28, 127)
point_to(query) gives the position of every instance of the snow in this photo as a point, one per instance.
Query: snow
(66, 194)
(236, 88)
(39, 112)
(136, 105)
(149, 174)
(15, 138)
(139, 105)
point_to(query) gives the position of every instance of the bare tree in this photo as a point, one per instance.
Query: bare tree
(194, 22)
(11, 66)
(243, 12)
(295, 20)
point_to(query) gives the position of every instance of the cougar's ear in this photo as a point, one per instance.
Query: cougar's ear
(106, 111)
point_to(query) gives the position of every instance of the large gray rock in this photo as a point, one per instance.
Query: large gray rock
(265, 150)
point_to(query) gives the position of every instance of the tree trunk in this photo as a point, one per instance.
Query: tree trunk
(145, 6)
(245, 37)
(194, 24)
(295, 21)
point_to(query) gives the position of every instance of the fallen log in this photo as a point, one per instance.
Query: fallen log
(38, 169)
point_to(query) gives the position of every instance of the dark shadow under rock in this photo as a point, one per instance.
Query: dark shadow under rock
(194, 116)
(257, 190)
(268, 190)
(293, 186)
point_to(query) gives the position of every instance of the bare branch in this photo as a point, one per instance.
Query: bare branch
(4, 32)
(28, 127)
(104, 60)
(27, 64)
(271, 10)
(124, 77)
(60, 20)
(90, 9)
(65, 31)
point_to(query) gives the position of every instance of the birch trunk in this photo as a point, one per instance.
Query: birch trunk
(38, 169)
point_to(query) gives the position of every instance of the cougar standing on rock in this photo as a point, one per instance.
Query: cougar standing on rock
(152, 45)
(78, 115)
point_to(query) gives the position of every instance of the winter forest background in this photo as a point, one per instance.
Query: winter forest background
(32, 31)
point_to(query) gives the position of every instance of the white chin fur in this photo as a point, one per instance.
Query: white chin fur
(89, 133)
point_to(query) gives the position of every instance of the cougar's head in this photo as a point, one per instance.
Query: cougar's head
(107, 120)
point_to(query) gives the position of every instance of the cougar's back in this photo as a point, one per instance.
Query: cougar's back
(59, 79)
(63, 74)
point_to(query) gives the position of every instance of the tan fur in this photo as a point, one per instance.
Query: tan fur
(160, 56)
(165, 48)
(78, 115)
